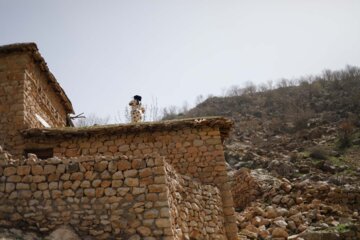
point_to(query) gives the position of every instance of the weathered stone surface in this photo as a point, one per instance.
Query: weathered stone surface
(48, 169)
(9, 171)
(151, 214)
(63, 232)
(162, 222)
(118, 175)
(279, 233)
(101, 166)
(144, 231)
(23, 170)
(123, 165)
(37, 170)
(110, 194)
(132, 182)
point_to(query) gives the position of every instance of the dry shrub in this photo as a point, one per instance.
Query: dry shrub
(319, 152)
(345, 130)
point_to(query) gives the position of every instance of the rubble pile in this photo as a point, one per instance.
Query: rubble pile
(278, 208)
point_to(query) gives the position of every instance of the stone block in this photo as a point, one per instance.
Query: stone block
(132, 182)
(110, 191)
(123, 165)
(144, 231)
(124, 148)
(118, 175)
(22, 186)
(116, 183)
(101, 166)
(23, 170)
(163, 223)
(48, 169)
(157, 188)
(138, 190)
(9, 171)
(96, 183)
(85, 184)
(77, 176)
(151, 214)
(14, 178)
(38, 178)
(9, 187)
(43, 186)
(105, 184)
(130, 173)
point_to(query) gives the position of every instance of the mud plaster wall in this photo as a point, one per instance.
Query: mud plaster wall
(196, 153)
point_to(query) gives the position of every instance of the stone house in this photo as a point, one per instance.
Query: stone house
(159, 180)
(30, 96)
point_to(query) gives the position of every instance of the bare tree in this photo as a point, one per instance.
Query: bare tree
(127, 114)
(270, 84)
(234, 90)
(250, 88)
(199, 99)
(91, 120)
(283, 83)
(185, 107)
(263, 87)
(152, 111)
(170, 112)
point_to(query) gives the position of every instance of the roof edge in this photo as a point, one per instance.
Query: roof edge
(33, 50)
(224, 124)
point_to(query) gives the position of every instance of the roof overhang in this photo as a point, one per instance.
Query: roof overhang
(34, 53)
(223, 124)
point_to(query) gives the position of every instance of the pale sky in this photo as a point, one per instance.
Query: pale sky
(104, 52)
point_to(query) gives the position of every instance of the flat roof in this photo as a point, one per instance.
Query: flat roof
(224, 125)
(33, 50)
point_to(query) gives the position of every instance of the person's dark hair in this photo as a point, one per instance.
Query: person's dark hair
(137, 98)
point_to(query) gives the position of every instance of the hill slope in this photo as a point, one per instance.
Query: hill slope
(294, 120)
(306, 138)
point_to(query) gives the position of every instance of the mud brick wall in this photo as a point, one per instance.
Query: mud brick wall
(98, 196)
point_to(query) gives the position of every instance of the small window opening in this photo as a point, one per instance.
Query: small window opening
(42, 153)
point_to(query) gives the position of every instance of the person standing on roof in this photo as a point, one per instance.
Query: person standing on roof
(137, 110)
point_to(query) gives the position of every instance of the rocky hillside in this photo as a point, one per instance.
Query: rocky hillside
(294, 156)
(315, 124)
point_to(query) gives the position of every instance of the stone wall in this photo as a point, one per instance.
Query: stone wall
(25, 91)
(11, 99)
(195, 166)
(196, 209)
(98, 196)
(245, 188)
(194, 152)
(249, 185)
(41, 99)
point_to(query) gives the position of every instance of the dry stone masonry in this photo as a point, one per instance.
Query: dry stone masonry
(198, 190)
(196, 209)
(160, 180)
(28, 91)
(99, 196)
